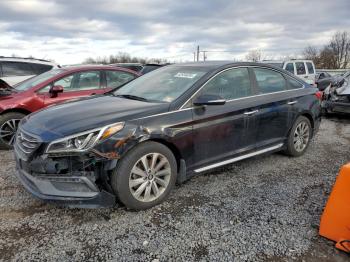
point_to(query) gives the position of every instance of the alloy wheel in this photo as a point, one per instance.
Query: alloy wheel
(301, 136)
(8, 131)
(150, 177)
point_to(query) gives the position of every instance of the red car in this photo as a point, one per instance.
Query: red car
(52, 87)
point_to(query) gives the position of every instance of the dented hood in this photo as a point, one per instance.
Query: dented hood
(90, 113)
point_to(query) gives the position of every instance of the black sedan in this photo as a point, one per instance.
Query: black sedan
(132, 145)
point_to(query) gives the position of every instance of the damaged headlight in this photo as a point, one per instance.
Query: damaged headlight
(83, 141)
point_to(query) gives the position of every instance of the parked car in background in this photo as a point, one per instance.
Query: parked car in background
(150, 67)
(137, 67)
(52, 87)
(322, 75)
(323, 83)
(132, 144)
(304, 69)
(336, 97)
(14, 70)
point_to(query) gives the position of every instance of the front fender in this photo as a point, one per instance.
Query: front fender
(119, 144)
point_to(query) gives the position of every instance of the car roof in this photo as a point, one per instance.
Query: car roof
(212, 65)
(26, 60)
(76, 68)
(287, 60)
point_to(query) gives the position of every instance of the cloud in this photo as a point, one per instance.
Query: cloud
(70, 31)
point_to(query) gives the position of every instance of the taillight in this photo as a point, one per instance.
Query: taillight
(319, 95)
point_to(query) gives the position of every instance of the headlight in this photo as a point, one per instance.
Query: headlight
(83, 141)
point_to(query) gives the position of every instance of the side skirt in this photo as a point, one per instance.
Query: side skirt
(232, 160)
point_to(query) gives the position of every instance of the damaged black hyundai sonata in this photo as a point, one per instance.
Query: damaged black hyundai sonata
(133, 144)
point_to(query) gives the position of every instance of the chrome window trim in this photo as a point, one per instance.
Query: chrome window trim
(231, 100)
(264, 67)
(235, 159)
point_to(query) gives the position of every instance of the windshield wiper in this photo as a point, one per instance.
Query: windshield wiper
(139, 98)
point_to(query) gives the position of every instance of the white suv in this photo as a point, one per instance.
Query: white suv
(304, 69)
(14, 70)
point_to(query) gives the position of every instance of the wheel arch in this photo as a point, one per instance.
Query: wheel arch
(16, 110)
(309, 116)
(171, 146)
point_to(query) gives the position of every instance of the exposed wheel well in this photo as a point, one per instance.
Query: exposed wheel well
(16, 110)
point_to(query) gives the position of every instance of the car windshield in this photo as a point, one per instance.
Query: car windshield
(31, 82)
(162, 85)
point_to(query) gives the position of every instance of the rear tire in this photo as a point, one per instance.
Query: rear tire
(8, 127)
(145, 176)
(299, 137)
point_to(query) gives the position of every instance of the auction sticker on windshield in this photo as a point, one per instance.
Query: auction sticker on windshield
(185, 75)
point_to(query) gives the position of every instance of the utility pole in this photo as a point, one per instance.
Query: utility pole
(197, 53)
(204, 56)
(194, 56)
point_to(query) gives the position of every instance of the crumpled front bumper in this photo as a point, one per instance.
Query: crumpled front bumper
(71, 191)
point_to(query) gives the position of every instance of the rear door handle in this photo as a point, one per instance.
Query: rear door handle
(292, 102)
(251, 112)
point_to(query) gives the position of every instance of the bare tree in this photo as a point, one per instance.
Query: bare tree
(121, 57)
(254, 55)
(327, 59)
(335, 55)
(340, 46)
(311, 53)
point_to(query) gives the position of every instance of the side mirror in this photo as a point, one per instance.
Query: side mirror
(55, 90)
(214, 100)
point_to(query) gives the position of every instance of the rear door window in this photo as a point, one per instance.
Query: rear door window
(300, 66)
(290, 68)
(41, 68)
(310, 68)
(117, 78)
(16, 69)
(293, 84)
(87, 80)
(269, 81)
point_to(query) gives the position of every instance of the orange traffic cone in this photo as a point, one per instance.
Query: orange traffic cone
(335, 220)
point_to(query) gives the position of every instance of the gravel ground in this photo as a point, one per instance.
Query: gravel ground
(265, 208)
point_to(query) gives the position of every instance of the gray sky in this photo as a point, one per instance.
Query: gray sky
(69, 31)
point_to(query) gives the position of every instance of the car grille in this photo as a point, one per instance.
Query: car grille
(26, 143)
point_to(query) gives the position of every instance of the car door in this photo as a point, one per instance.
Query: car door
(290, 68)
(275, 107)
(311, 73)
(75, 86)
(302, 73)
(223, 131)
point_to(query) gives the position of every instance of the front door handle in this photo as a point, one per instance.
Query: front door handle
(251, 112)
(292, 102)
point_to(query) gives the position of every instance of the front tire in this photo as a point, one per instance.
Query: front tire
(299, 137)
(145, 176)
(8, 127)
